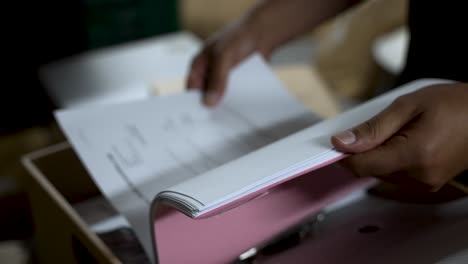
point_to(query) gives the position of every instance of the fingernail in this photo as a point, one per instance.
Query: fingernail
(346, 137)
(211, 98)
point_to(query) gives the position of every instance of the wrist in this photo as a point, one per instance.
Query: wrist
(254, 24)
(269, 24)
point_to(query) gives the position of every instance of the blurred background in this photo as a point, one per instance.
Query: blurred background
(356, 55)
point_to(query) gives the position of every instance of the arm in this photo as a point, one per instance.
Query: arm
(268, 25)
(277, 21)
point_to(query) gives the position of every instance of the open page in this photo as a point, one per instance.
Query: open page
(135, 150)
(294, 155)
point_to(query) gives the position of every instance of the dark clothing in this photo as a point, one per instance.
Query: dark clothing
(438, 44)
(35, 33)
(438, 41)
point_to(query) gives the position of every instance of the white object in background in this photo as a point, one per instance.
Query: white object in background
(390, 50)
(119, 73)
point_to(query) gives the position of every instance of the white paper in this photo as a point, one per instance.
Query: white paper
(135, 150)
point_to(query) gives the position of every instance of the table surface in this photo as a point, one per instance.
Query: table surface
(376, 230)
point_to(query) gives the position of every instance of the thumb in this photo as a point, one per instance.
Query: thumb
(376, 130)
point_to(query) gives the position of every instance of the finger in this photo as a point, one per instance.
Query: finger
(384, 160)
(197, 74)
(400, 161)
(378, 129)
(216, 80)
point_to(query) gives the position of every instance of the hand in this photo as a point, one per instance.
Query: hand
(210, 68)
(420, 140)
(266, 26)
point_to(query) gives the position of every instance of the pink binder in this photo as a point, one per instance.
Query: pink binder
(221, 238)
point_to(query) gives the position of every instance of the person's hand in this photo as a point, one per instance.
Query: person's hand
(421, 140)
(210, 68)
(266, 26)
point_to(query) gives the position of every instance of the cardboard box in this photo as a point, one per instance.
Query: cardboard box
(55, 182)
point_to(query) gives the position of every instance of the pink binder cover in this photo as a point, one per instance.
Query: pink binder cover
(223, 237)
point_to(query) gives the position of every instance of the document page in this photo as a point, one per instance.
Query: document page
(135, 150)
